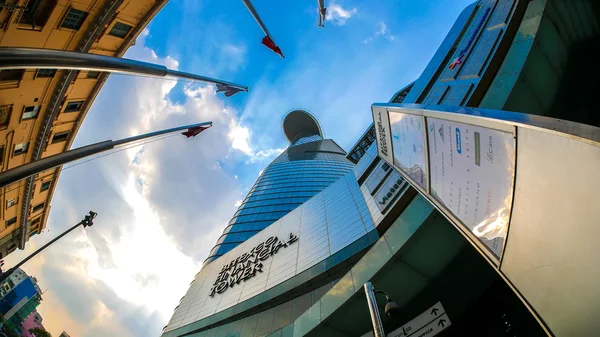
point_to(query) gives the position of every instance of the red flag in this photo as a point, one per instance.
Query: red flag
(271, 45)
(229, 91)
(194, 131)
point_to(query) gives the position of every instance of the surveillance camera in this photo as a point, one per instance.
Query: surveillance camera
(392, 310)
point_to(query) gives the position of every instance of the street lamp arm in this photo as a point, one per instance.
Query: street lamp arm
(91, 216)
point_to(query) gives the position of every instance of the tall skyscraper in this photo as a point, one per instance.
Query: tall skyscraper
(309, 165)
(305, 274)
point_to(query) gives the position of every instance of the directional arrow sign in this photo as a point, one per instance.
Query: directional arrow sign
(433, 328)
(428, 324)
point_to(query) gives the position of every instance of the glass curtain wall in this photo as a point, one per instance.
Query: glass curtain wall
(305, 168)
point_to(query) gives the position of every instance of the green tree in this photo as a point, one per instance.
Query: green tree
(39, 332)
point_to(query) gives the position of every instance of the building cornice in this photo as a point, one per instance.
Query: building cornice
(92, 33)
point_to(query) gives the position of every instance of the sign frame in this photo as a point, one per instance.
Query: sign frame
(425, 140)
(478, 121)
(435, 318)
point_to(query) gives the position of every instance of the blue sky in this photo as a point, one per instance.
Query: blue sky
(163, 205)
(365, 54)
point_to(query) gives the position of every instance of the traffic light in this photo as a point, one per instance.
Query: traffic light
(89, 218)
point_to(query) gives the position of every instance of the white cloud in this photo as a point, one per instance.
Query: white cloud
(384, 32)
(147, 264)
(240, 138)
(235, 56)
(269, 152)
(161, 207)
(338, 15)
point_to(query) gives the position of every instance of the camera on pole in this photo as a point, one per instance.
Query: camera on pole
(88, 219)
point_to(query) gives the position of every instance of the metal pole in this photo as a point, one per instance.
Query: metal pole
(158, 133)
(6, 274)
(322, 13)
(37, 58)
(189, 76)
(374, 310)
(257, 18)
(26, 170)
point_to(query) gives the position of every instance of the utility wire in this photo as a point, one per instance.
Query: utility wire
(129, 146)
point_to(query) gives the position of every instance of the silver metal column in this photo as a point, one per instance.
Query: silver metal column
(374, 310)
(38, 58)
(37, 166)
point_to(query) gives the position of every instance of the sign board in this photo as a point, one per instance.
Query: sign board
(472, 170)
(248, 264)
(431, 322)
(465, 166)
(382, 131)
(389, 191)
(408, 144)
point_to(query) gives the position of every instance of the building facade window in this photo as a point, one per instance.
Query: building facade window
(20, 148)
(37, 208)
(74, 19)
(11, 202)
(60, 137)
(74, 106)
(1, 154)
(5, 111)
(34, 226)
(11, 221)
(120, 30)
(45, 73)
(45, 185)
(40, 15)
(93, 74)
(30, 112)
(11, 74)
(11, 78)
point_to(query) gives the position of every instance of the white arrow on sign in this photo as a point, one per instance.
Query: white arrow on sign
(428, 324)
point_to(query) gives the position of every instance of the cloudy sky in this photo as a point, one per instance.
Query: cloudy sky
(163, 205)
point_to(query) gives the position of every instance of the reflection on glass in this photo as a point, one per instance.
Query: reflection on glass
(236, 328)
(263, 325)
(282, 315)
(249, 326)
(472, 175)
(408, 145)
(301, 304)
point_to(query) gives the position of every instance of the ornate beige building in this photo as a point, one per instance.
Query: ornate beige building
(42, 110)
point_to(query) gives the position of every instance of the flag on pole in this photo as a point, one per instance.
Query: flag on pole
(194, 131)
(322, 13)
(267, 41)
(228, 90)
